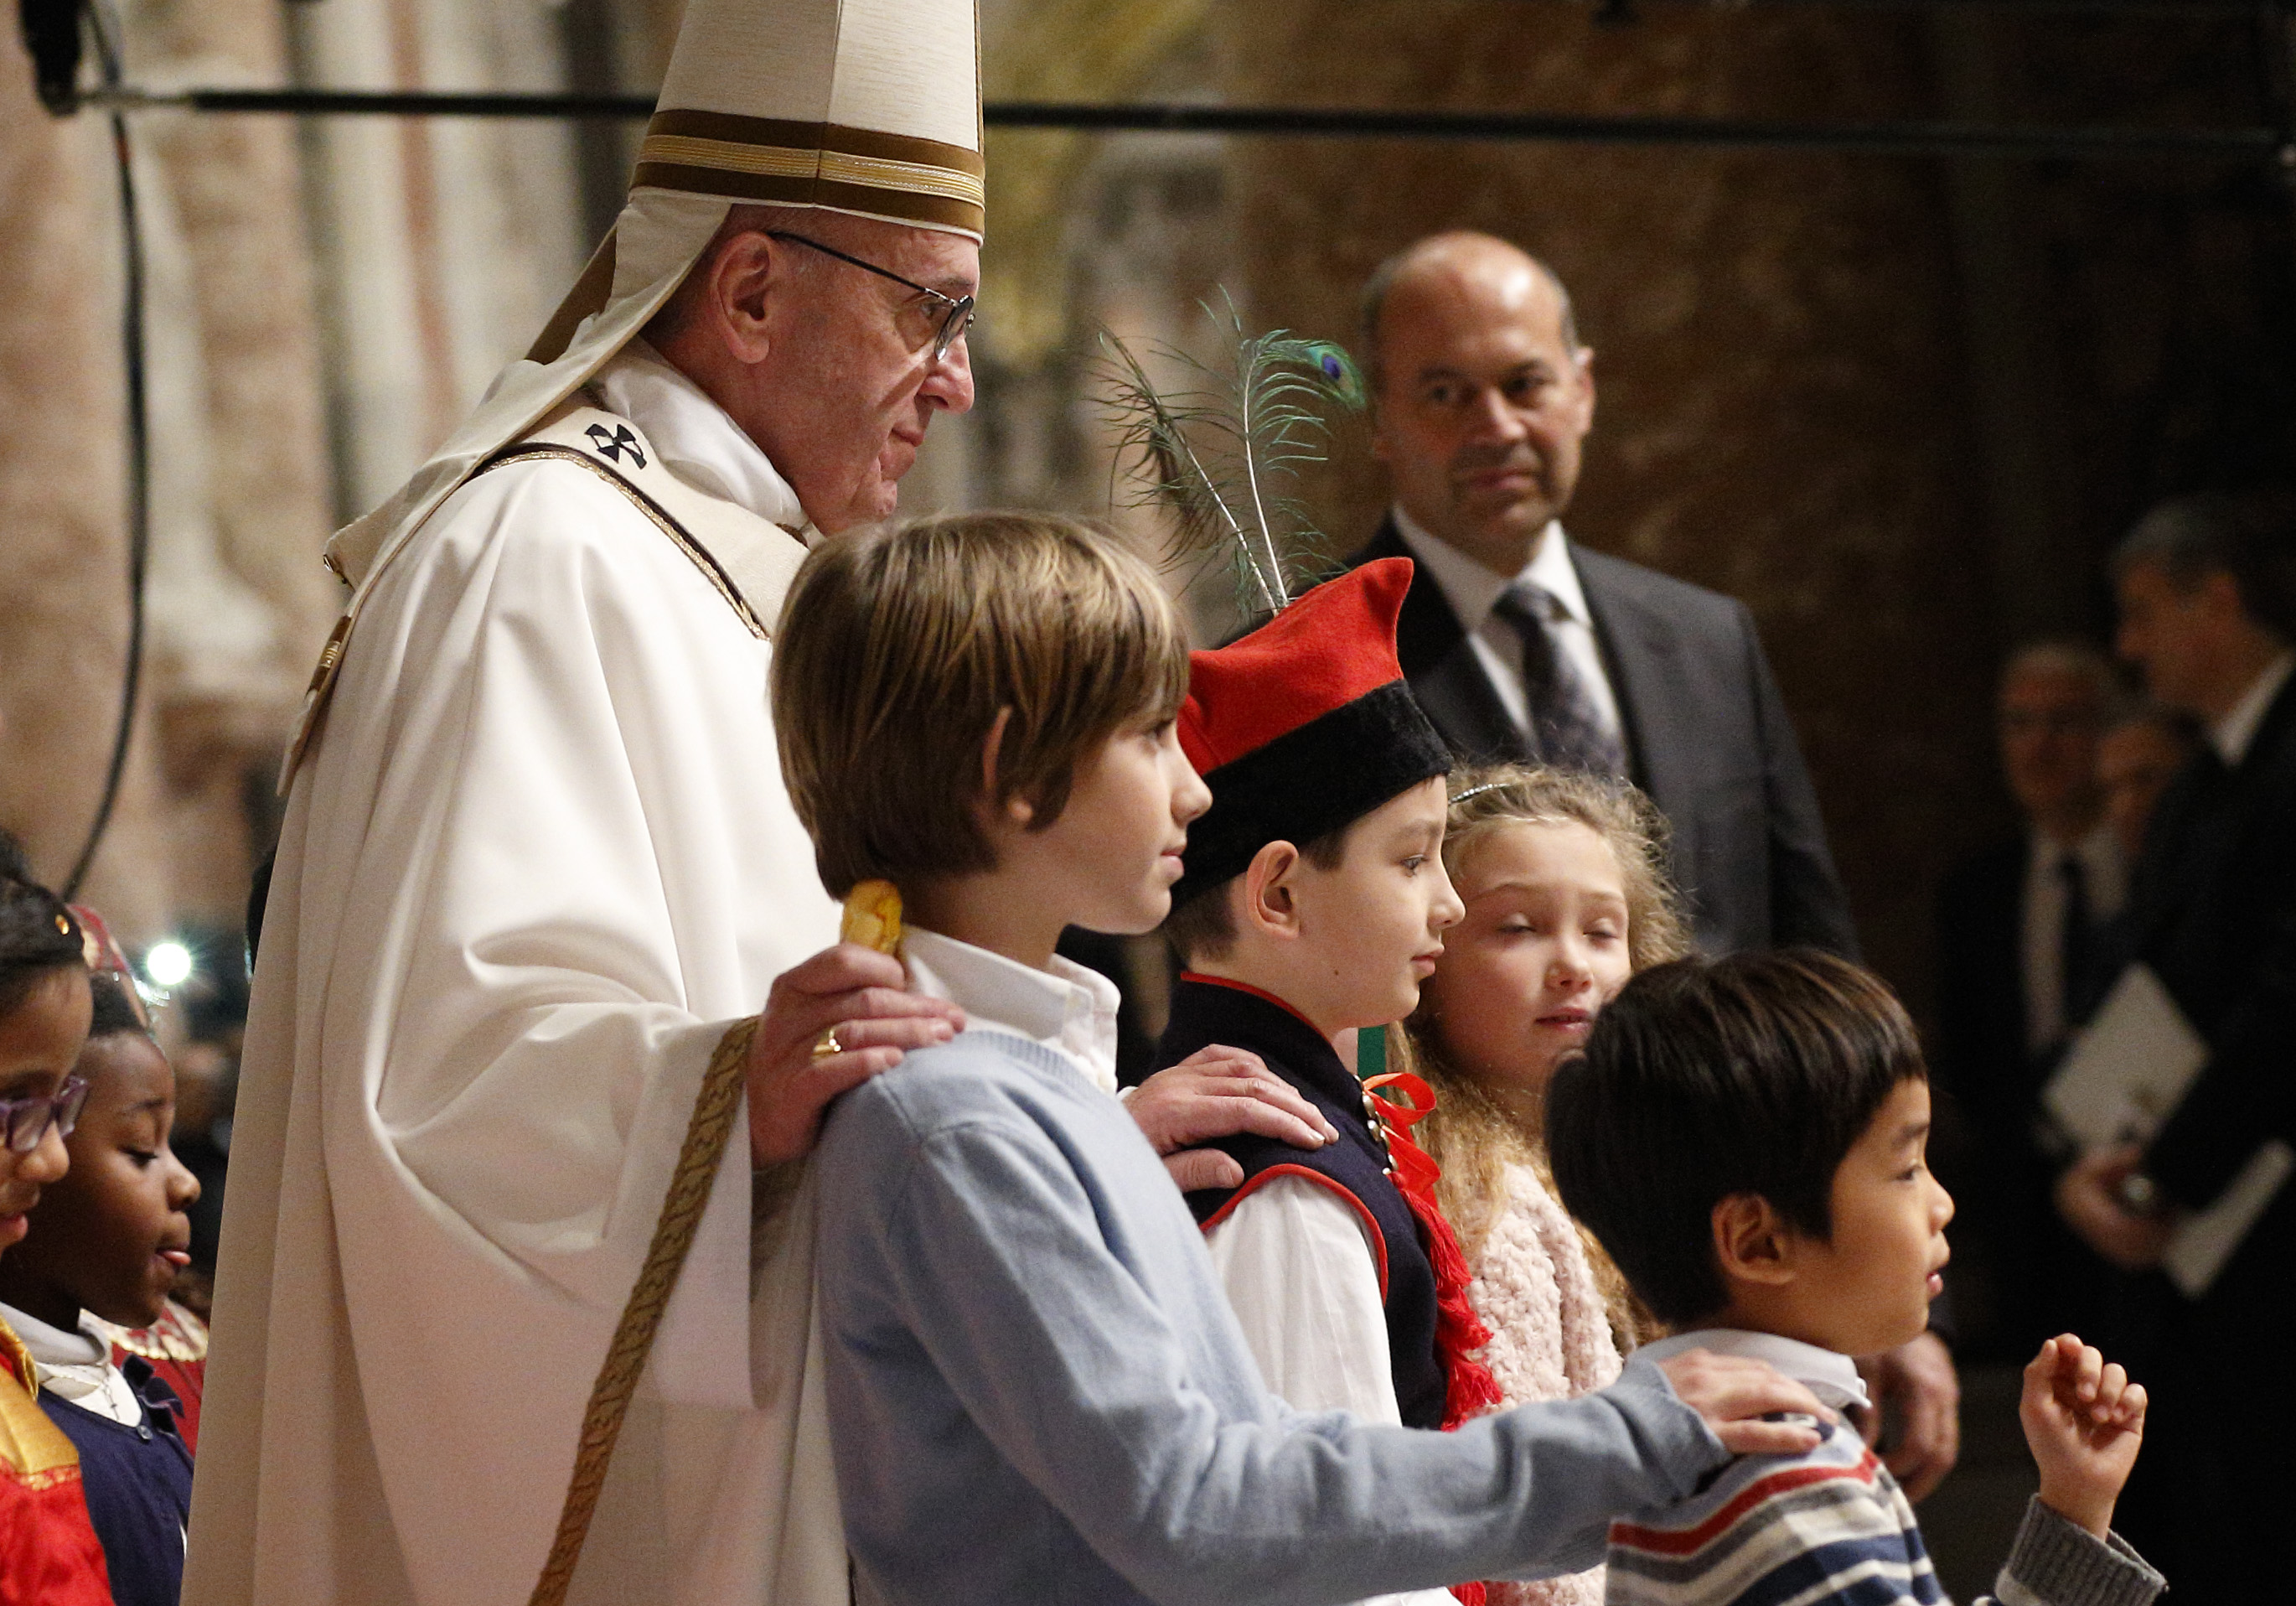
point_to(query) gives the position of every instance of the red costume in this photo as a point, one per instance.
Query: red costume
(48, 1552)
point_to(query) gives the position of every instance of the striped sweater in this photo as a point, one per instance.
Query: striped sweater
(1832, 1526)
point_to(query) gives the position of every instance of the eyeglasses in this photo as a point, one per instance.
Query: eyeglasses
(953, 321)
(26, 1121)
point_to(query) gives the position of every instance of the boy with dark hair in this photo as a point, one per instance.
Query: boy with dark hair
(1035, 1389)
(1314, 903)
(1747, 1138)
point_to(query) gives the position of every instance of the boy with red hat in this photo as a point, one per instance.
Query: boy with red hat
(1035, 1388)
(1314, 902)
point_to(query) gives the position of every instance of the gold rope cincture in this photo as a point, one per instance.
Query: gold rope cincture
(626, 1356)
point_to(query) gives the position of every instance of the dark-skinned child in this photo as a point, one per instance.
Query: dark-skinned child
(104, 1247)
(48, 1551)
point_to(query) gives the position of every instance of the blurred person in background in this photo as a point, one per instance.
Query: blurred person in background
(2207, 589)
(2143, 745)
(214, 1005)
(2022, 959)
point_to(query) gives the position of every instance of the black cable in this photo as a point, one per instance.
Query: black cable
(139, 458)
(1894, 138)
(1890, 138)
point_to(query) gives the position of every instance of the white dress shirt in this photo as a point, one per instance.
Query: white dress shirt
(2042, 948)
(1067, 1007)
(1473, 590)
(1299, 1269)
(1832, 1377)
(77, 1366)
(1297, 1263)
(2232, 736)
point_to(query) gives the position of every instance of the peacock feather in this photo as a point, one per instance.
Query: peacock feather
(1221, 449)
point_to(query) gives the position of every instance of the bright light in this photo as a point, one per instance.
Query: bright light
(168, 964)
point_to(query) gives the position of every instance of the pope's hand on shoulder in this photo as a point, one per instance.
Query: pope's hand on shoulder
(1219, 1092)
(860, 995)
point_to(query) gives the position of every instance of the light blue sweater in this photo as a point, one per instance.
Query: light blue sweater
(1038, 1393)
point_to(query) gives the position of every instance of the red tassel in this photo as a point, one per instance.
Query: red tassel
(1469, 1390)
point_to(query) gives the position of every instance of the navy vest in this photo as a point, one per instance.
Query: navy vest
(138, 1484)
(1204, 1013)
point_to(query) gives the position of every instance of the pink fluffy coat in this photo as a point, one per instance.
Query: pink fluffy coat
(1550, 1335)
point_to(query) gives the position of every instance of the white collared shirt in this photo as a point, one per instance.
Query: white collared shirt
(1473, 590)
(2041, 953)
(2232, 735)
(1067, 1007)
(698, 440)
(77, 1366)
(1832, 1377)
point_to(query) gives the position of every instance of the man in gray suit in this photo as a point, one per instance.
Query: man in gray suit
(1520, 645)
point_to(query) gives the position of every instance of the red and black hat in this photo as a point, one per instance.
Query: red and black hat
(1304, 726)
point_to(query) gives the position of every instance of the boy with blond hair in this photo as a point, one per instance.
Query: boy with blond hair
(1035, 1389)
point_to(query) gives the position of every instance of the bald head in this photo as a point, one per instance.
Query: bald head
(1462, 252)
(1484, 393)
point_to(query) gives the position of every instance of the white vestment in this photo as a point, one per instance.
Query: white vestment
(538, 861)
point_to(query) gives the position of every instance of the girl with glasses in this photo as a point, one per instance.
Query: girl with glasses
(48, 1550)
(105, 1249)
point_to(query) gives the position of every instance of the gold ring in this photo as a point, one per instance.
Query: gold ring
(826, 1044)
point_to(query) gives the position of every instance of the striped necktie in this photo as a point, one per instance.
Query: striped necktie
(1567, 728)
(2077, 946)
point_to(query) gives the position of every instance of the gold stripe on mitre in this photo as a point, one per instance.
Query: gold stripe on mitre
(900, 177)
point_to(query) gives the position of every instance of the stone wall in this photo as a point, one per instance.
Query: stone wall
(236, 603)
(1777, 414)
(1899, 405)
(62, 620)
(306, 345)
(1802, 400)
(444, 243)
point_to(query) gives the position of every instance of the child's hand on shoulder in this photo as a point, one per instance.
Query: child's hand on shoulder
(2084, 1419)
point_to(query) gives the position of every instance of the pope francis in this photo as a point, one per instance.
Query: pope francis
(539, 872)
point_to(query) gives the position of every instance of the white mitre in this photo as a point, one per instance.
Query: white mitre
(867, 107)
